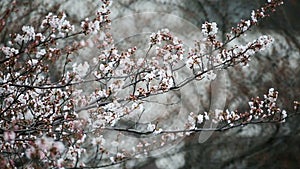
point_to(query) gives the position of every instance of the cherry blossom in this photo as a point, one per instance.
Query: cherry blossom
(58, 23)
(59, 115)
(9, 52)
(209, 29)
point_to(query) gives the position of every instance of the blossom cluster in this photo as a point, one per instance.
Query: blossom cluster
(28, 35)
(57, 24)
(194, 120)
(172, 51)
(260, 110)
(9, 51)
(209, 29)
(43, 147)
(101, 20)
(208, 56)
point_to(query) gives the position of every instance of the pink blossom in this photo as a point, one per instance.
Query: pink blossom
(209, 29)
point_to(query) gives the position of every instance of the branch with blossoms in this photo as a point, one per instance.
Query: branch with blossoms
(261, 111)
(49, 121)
